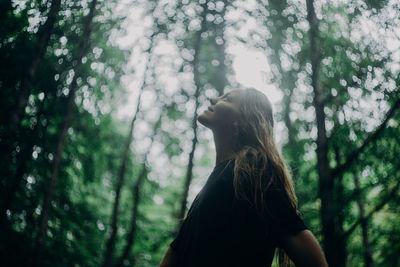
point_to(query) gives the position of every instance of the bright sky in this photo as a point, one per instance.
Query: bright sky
(250, 66)
(252, 69)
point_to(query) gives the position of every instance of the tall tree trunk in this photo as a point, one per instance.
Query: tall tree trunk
(22, 160)
(110, 244)
(339, 189)
(291, 145)
(285, 78)
(82, 48)
(196, 78)
(333, 245)
(10, 186)
(136, 193)
(25, 87)
(368, 261)
(5, 7)
(131, 237)
(220, 44)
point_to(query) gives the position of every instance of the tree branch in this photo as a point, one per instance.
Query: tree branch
(371, 138)
(378, 207)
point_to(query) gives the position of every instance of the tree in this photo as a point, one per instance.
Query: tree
(196, 78)
(136, 198)
(334, 248)
(344, 52)
(43, 38)
(83, 47)
(108, 253)
(339, 64)
(24, 90)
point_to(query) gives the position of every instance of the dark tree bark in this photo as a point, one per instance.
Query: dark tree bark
(368, 261)
(9, 185)
(136, 198)
(291, 145)
(288, 122)
(131, 237)
(220, 45)
(339, 190)
(25, 87)
(197, 83)
(22, 160)
(110, 244)
(5, 7)
(285, 78)
(334, 247)
(82, 48)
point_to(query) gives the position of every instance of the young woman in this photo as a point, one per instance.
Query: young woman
(248, 206)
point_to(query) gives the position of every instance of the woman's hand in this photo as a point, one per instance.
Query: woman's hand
(304, 250)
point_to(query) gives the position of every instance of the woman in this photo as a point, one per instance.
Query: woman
(247, 207)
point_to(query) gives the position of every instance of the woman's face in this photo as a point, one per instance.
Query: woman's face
(223, 111)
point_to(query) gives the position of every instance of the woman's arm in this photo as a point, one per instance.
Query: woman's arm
(304, 250)
(168, 260)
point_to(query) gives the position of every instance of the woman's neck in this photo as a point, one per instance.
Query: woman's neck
(223, 148)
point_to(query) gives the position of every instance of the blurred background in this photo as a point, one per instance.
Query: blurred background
(101, 154)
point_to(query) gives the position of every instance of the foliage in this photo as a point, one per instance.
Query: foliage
(187, 60)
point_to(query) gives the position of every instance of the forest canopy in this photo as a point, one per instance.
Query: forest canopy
(101, 154)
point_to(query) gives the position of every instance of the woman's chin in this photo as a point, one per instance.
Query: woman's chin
(204, 119)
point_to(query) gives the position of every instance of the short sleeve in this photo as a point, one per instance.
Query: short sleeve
(174, 243)
(282, 218)
(178, 239)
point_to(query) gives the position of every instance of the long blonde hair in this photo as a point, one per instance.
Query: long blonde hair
(258, 162)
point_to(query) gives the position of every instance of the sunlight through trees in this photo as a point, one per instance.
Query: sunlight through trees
(101, 154)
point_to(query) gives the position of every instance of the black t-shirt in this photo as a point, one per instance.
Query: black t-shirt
(220, 230)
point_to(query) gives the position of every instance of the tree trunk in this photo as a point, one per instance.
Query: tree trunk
(136, 193)
(48, 197)
(131, 237)
(285, 78)
(368, 261)
(339, 190)
(25, 87)
(82, 48)
(5, 7)
(220, 46)
(110, 245)
(10, 186)
(196, 78)
(333, 245)
(22, 160)
(291, 145)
